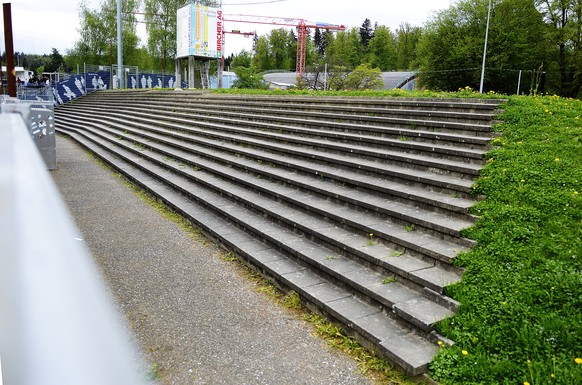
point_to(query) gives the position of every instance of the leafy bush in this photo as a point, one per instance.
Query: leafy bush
(248, 78)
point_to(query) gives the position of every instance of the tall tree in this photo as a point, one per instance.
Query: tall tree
(407, 38)
(56, 62)
(366, 32)
(564, 18)
(262, 54)
(160, 16)
(451, 49)
(279, 42)
(318, 41)
(98, 33)
(382, 49)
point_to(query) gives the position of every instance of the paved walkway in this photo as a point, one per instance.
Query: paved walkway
(193, 315)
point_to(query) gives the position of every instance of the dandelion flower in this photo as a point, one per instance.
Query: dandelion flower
(522, 181)
(441, 343)
(557, 159)
(465, 352)
(578, 360)
(553, 375)
(525, 383)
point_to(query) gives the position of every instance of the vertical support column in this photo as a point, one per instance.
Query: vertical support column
(220, 71)
(120, 71)
(8, 41)
(178, 83)
(191, 72)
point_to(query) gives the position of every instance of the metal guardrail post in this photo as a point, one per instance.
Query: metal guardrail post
(57, 324)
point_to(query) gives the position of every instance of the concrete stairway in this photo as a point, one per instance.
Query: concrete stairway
(356, 204)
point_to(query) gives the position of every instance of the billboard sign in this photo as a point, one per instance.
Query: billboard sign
(199, 31)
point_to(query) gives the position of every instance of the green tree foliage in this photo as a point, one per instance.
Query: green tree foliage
(564, 21)
(160, 16)
(346, 49)
(364, 77)
(98, 34)
(262, 57)
(319, 41)
(242, 59)
(366, 32)
(281, 56)
(407, 38)
(382, 49)
(56, 62)
(451, 50)
(248, 78)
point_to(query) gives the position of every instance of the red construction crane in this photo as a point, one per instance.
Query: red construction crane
(301, 25)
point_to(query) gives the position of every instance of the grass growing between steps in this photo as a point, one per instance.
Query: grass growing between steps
(520, 321)
(374, 367)
(466, 92)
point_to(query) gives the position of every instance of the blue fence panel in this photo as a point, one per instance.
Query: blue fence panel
(97, 80)
(70, 89)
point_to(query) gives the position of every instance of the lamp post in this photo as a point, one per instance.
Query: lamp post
(119, 47)
(485, 49)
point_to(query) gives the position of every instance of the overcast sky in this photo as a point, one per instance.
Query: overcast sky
(39, 25)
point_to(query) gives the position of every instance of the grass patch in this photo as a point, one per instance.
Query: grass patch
(521, 319)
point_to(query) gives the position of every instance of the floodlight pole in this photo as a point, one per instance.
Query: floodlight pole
(120, 73)
(485, 49)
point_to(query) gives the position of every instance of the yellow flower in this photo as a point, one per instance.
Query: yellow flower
(522, 181)
(553, 375)
(575, 193)
(465, 352)
(578, 360)
(441, 343)
(557, 159)
(525, 383)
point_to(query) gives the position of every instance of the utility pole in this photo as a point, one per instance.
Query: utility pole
(8, 41)
(485, 49)
(120, 71)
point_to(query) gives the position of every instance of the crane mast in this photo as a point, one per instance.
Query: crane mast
(302, 31)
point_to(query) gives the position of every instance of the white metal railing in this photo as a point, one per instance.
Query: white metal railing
(57, 323)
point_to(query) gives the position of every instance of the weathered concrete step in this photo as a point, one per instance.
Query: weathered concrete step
(366, 115)
(305, 162)
(368, 282)
(349, 186)
(351, 172)
(457, 152)
(355, 131)
(369, 324)
(403, 123)
(365, 224)
(316, 149)
(461, 105)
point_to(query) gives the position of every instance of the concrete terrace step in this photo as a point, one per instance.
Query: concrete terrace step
(361, 215)
(302, 116)
(486, 108)
(431, 222)
(375, 325)
(450, 184)
(312, 148)
(456, 147)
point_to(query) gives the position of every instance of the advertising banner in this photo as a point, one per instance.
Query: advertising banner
(199, 31)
